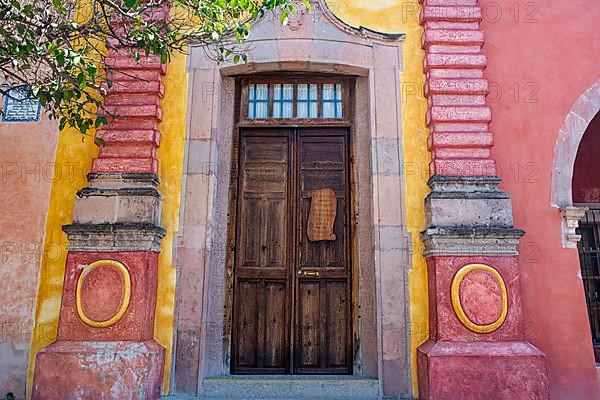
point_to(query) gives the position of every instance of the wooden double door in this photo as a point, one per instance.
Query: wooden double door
(292, 292)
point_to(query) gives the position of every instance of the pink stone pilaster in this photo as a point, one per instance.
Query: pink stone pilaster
(458, 114)
(105, 347)
(477, 348)
(132, 108)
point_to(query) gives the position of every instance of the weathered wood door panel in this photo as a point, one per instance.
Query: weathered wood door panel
(292, 296)
(322, 270)
(262, 288)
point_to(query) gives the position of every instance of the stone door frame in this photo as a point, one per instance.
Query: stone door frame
(317, 43)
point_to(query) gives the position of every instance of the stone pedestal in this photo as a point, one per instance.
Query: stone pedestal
(99, 371)
(101, 292)
(481, 370)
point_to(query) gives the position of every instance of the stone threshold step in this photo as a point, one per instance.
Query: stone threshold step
(289, 387)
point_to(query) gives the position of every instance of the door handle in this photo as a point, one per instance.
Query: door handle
(314, 274)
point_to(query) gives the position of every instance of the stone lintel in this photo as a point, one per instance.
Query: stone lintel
(114, 237)
(476, 241)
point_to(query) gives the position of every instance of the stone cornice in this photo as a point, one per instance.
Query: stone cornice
(114, 237)
(471, 241)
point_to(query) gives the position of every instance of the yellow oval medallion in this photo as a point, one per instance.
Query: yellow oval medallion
(88, 273)
(458, 306)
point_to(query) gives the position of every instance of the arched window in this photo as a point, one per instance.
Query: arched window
(586, 193)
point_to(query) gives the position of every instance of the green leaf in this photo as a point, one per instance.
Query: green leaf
(283, 18)
(99, 141)
(130, 3)
(60, 59)
(81, 80)
(92, 70)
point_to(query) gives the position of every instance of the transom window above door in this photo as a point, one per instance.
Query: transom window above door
(286, 99)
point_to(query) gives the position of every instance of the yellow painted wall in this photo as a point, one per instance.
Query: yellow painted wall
(398, 16)
(170, 163)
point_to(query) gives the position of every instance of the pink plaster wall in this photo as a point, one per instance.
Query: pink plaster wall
(586, 173)
(26, 172)
(550, 52)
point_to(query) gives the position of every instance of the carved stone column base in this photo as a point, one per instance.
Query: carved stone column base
(481, 370)
(99, 370)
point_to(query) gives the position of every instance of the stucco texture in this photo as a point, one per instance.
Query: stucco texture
(71, 153)
(542, 56)
(170, 170)
(26, 174)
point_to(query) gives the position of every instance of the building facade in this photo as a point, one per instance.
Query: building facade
(392, 199)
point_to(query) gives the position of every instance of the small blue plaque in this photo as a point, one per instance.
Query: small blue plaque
(19, 108)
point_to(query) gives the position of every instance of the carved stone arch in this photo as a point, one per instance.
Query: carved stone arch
(567, 144)
(316, 43)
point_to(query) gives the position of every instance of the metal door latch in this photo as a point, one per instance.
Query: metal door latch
(308, 273)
